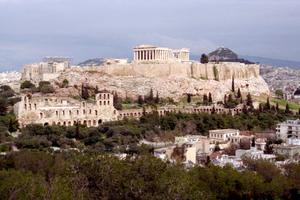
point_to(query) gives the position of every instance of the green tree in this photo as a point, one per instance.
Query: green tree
(157, 100)
(65, 83)
(268, 105)
(117, 101)
(140, 100)
(205, 99)
(287, 109)
(279, 93)
(239, 94)
(84, 92)
(27, 85)
(232, 85)
(249, 101)
(210, 101)
(204, 59)
(3, 106)
(189, 98)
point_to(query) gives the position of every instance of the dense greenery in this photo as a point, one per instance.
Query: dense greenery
(40, 175)
(123, 136)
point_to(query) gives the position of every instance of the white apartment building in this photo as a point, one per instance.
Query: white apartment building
(223, 135)
(288, 129)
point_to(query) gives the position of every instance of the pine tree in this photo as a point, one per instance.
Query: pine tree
(232, 85)
(210, 98)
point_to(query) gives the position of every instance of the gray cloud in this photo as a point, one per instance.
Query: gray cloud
(31, 29)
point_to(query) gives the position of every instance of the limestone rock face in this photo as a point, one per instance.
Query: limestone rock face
(170, 80)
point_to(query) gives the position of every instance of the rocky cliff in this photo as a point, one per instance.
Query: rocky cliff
(170, 80)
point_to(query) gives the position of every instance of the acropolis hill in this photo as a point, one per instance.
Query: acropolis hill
(168, 71)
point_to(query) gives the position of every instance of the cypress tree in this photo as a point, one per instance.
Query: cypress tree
(239, 94)
(249, 100)
(260, 108)
(157, 98)
(277, 107)
(268, 106)
(140, 100)
(151, 96)
(84, 92)
(287, 108)
(232, 85)
(245, 109)
(205, 99)
(189, 98)
(210, 98)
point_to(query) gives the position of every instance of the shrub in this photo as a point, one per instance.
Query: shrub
(27, 85)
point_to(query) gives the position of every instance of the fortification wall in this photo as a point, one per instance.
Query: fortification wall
(210, 71)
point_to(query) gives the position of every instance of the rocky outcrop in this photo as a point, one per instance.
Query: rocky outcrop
(170, 80)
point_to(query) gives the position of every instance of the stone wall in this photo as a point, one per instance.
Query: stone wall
(65, 111)
(210, 71)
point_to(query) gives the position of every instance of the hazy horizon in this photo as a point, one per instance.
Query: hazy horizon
(33, 29)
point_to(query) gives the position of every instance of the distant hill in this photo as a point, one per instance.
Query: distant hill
(92, 62)
(274, 62)
(222, 54)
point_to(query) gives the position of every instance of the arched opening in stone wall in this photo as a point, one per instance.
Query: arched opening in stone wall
(46, 124)
(100, 121)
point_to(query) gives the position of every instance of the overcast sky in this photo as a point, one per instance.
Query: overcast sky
(82, 29)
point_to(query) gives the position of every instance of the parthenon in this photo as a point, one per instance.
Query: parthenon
(150, 53)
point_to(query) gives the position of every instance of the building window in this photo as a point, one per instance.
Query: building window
(83, 111)
(96, 112)
(104, 103)
(77, 112)
(70, 112)
(107, 102)
(90, 111)
(104, 96)
(56, 113)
